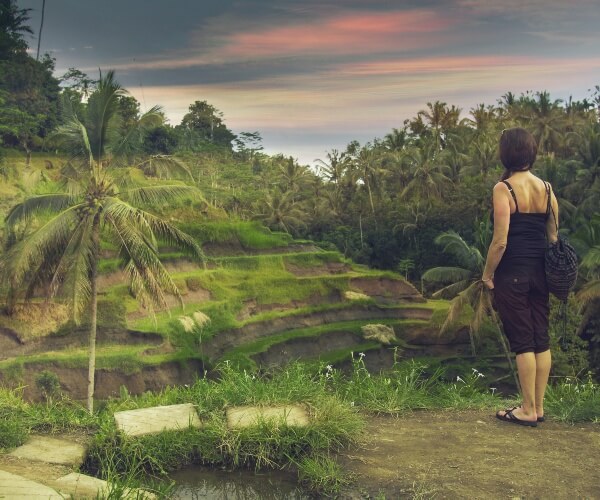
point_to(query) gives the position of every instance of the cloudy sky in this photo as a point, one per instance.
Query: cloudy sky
(314, 75)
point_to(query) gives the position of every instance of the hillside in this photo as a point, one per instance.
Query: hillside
(262, 300)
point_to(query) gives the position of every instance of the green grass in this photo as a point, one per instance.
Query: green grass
(126, 359)
(338, 403)
(249, 234)
(241, 355)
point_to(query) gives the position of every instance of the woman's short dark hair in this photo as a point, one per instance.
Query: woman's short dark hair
(518, 149)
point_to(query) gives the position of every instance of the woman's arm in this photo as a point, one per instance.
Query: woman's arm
(501, 223)
(551, 231)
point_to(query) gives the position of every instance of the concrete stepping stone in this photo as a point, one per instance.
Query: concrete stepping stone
(51, 450)
(92, 487)
(157, 419)
(248, 416)
(16, 487)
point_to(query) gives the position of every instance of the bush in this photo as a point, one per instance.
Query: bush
(570, 355)
(48, 383)
(13, 433)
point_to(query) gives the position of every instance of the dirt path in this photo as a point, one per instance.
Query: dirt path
(474, 455)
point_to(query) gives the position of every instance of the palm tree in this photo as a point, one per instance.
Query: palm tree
(334, 167)
(428, 177)
(470, 267)
(484, 156)
(440, 120)
(396, 140)
(466, 287)
(99, 201)
(587, 184)
(279, 211)
(545, 118)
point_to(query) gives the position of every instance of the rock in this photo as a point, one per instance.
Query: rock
(51, 450)
(157, 419)
(350, 295)
(381, 333)
(16, 487)
(248, 416)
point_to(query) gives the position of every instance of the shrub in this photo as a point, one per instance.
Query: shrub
(48, 383)
(13, 433)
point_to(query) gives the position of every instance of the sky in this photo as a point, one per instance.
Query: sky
(311, 76)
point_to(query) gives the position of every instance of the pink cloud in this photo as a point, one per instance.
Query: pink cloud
(458, 64)
(344, 34)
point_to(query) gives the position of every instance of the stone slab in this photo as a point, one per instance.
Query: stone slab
(247, 416)
(17, 487)
(157, 419)
(51, 450)
(92, 487)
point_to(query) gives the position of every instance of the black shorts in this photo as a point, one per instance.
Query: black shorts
(522, 301)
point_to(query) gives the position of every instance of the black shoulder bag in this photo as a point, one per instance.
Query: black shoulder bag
(561, 260)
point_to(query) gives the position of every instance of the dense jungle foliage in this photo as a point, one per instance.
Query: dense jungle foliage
(417, 199)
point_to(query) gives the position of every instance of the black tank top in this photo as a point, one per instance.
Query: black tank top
(526, 233)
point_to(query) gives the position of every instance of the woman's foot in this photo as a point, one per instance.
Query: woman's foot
(517, 415)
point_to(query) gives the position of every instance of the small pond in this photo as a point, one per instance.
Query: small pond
(202, 482)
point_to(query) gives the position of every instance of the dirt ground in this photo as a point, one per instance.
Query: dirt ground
(473, 455)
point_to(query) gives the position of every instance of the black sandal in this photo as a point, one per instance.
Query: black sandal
(509, 417)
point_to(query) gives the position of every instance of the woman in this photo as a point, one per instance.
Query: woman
(515, 269)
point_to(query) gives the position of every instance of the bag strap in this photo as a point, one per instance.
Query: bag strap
(549, 208)
(510, 188)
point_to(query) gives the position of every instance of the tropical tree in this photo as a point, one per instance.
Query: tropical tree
(100, 201)
(279, 211)
(428, 174)
(545, 119)
(439, 119)
(470, 265)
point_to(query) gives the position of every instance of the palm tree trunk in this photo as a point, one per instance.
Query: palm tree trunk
(93, 312)
(37, 57)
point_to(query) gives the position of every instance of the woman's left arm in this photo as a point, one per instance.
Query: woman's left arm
(501, 223)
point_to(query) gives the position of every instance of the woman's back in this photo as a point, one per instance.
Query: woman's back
(530, 192)
(526, 239)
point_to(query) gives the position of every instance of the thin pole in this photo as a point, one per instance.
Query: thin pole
(37, 57)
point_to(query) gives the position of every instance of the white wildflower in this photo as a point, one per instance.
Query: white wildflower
(458, 379)
(187, 322)
(201, 319)
(329, 368)
(361, 354)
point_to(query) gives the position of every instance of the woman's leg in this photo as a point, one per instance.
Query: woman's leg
(543, 362)
(526, 366)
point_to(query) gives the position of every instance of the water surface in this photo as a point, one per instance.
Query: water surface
(208, 483)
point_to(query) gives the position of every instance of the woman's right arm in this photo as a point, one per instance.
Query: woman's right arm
(551, 224)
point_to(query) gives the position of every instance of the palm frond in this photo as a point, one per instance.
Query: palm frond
(446, 274)
(148, 277)
(73, 268)
(589, 292)
(591, 260)
(129, 143)
(451, 291)
(166, 167)
(159, 195)
(160, 229)
(468, 256)
(73, 136)
(38, 247)
(36, 205)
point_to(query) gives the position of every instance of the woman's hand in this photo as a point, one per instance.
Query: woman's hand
(489, 283)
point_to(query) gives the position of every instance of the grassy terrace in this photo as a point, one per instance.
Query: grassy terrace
(127, 359)
(242, 354)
